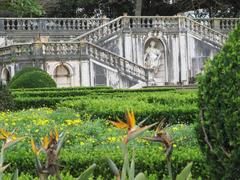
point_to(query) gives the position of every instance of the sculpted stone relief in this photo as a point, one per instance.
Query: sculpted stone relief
(154, 61)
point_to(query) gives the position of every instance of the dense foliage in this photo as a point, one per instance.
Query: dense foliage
(219, 101)
(22, 8)
(6, 100)
(89, 8)
(170, 104)
(31, 78)
(93, 141)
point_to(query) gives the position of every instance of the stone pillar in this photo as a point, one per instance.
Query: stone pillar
(85, 73)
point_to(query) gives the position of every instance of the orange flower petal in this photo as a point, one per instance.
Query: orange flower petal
(5, 133)
(119, 124)
(131, 120)
(45, 142)
(56, 135)
(34, 148)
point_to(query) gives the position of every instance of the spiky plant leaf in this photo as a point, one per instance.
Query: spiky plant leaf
(114, 168)
(185, 173)
(139, 131)
(1, 156)
(60, 143)
(3, 168)
(13, 142)
(87, 173)
(15, 175)
(132, 168)
(140, 176)
(125, 168)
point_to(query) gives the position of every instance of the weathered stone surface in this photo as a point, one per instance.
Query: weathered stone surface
(126, 52)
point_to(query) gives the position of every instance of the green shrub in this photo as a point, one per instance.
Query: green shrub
(172, 107)
(92, 141)
(32, 79)
(6, 100)
(24, 70)
(219, 91)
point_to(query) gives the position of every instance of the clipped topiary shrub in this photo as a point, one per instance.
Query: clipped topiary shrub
(25, 70)
(32, 79)
(219, 93)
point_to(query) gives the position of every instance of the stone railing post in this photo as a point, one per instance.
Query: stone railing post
(126, 20)
(37, 49)
(104, 19)
(2, 25)
(216, 25)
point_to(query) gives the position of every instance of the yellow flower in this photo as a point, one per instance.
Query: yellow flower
(82, 143)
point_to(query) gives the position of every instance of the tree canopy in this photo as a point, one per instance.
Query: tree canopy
(20, 8)
(114, 8)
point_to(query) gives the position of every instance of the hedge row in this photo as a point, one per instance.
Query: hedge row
(173, 111)
(149, 160)
(61, 89)
(79, 91)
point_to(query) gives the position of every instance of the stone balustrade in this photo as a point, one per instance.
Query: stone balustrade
(223, 25)
(203, 31)
(15, 52)
(9, 25)
(71, 50)
(115, 61)
(102, 31)
(165, 23)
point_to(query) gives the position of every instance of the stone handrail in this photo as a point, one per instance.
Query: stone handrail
(166, 23)
(101, 31)
(49, 24)
(223, 25)
(72, 50)
(115, 61)
(12, 52)
(202, 31)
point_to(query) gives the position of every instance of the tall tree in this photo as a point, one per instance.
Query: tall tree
(138, 10)
(21, 8)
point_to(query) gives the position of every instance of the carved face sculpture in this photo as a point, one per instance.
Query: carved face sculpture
(152, 44)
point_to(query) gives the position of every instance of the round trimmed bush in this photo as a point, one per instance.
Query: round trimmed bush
(32, 78)
(219, 94)
(25, 70)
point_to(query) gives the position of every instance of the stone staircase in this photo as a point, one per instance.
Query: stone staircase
(165, 24)
(90, 35)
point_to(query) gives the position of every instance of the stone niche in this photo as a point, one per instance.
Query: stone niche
(155, 61)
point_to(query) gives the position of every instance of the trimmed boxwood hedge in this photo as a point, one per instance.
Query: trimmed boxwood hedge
(32, 79)
(219, 94)
(24, 70)
(150, 161)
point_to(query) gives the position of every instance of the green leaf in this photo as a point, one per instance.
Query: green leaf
(186, 173)
(2, 156)
(15, 175)
(139, 131)
(125, 167)
(87, 173)
(60, 143)
(140, 176)
(132, 168)
(3, 168)
(11, 143)
(113, 167)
